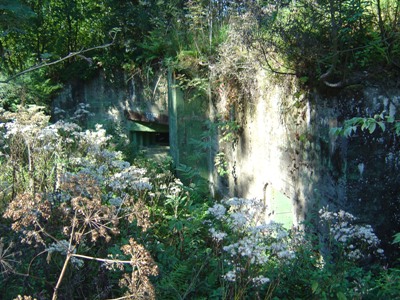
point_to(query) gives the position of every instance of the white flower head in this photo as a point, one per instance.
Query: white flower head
(218, 211)
(230, 276)
(217, 235)
(237, 219)
(260, 280)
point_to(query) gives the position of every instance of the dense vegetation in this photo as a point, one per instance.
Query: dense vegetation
(79, 220)
(326, 42)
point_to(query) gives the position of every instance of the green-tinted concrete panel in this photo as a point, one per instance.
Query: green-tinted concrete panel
(280, 206)
(147, 127)
(188, 114)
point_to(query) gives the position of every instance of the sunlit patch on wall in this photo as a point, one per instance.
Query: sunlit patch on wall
(279, 206)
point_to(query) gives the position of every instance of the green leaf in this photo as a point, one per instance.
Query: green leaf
(347, 131)
(335, 130)
(304, 79)
(371, 128)
(46, 55)
(396, 238)
(178, 225)
(365, 125)
(397, 126)
(389, 119)
(382, 126)
(340, 296)
(314, 287)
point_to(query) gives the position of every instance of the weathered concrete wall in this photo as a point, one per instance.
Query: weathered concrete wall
(286, 145)
(371, 168)
(265, 155)
(284, 153)
(105, 101)
(117, 103)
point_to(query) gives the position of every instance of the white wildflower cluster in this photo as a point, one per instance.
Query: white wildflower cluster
(107, 167)
(99, 163)
(78, 179)
(166, 186)
(66, 127)
(242, 212)
(278, 239)
(170, 187)
(94, 140)
(78, 152)
(175, 187)
(81, 112)
(115, 158)
(238, 220)
(217, 235)
(247, 212)
(118, 177)
(48, 133)
(249, 247)
(30, 127)
(358, 241)
(218, 211)
(60, 246)
(14, 128)
(251, 242)
(230, 276)
(260, 280)
(131, 178)
(63, 247)
(58, 111)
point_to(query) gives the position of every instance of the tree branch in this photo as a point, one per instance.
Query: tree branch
(72, 54)
(270, 68)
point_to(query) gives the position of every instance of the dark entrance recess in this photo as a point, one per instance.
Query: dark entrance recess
(150, 139)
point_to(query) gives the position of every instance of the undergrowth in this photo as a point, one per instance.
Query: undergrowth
(80, 222)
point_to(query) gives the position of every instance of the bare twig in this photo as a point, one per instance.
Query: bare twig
(67, 259)
(55, 294)
(106, 260)
(123, 297)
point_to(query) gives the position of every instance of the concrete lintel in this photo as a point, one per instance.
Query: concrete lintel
(148, 127)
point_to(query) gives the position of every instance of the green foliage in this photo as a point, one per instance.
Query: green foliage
(155, 47)
(326, 40)
(387, 286)
(13, 14)
(221, 164)
(306, 38)
(177, 214)
(195, 183)
(367, 124)
(229, 130)
(33, 88)
(396, 238)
